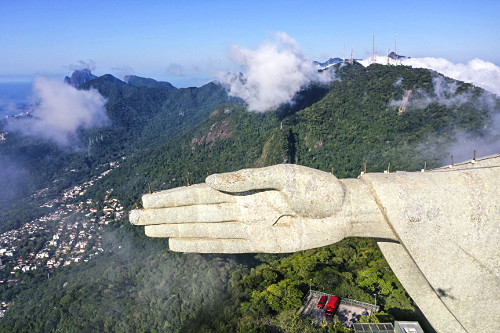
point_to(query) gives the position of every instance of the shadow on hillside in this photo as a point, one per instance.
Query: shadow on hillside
(303, 99)
(408, 315)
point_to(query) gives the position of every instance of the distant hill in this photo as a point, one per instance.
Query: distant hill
(146, 116)
(79, 77)
(329, 62)
(137, 81)
(393, 56)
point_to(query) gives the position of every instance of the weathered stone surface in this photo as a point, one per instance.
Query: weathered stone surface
(448, 222)
(283, 208)
(439, 230)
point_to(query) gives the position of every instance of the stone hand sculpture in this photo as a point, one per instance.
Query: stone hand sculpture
(439, 230)
(283, 208)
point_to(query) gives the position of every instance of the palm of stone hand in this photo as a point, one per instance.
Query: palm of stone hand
(283, 208)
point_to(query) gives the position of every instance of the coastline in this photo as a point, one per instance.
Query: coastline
(14, 98)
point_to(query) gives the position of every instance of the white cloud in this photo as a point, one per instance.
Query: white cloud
(481, 73)
(444, 93)
(273, 73)
(487, 144)
(60, 111)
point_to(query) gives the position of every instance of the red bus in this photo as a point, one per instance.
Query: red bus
(331, 306)
(321, 302)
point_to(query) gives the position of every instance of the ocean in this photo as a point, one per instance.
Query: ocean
(13, 97)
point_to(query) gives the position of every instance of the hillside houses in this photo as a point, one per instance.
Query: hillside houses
(70, 233)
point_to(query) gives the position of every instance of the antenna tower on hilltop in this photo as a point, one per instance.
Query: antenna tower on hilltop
(351, 59)
(373, 59)
(396, 50)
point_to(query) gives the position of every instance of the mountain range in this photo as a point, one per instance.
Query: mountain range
(166, 137)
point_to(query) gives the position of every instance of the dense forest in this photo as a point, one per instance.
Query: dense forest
(172, 136)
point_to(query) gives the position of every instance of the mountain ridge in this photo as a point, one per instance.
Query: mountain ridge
(79, 77)
(137, 81)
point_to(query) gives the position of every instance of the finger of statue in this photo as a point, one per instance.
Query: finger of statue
(197, 230)
(293, 234)
(309, 192)
(184, 196)
(203, 245)
(274, 177)
(185, 214)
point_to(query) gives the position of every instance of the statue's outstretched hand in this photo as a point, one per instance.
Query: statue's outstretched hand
(283, 208)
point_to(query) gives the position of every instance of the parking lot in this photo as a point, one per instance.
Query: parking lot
(349, 310)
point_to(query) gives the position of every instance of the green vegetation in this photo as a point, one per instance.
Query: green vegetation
(137, 81)
(170, 136)
(139, 286)
(355, 122)
(264, 296)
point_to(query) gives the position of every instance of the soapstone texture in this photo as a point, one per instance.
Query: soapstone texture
(448, 222)
(439, 230)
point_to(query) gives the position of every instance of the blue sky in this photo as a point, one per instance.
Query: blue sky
(192, 38)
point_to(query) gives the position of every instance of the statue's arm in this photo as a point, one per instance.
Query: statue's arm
(363, 213)
(283, 208)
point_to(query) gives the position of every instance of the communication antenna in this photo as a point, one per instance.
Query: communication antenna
(343, 59)
(351, 59)
(373, 60)
(396, 49)
(388, 53)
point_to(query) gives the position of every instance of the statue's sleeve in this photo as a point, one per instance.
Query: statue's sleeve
(447, 223)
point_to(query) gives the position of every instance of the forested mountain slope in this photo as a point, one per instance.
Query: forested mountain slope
(356, 118)
(359, 120)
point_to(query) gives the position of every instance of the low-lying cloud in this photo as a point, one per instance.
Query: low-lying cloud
(272, 74)
(60, 110)
(479, 72)
(485, 144)
(444, 93)
(12, 179)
